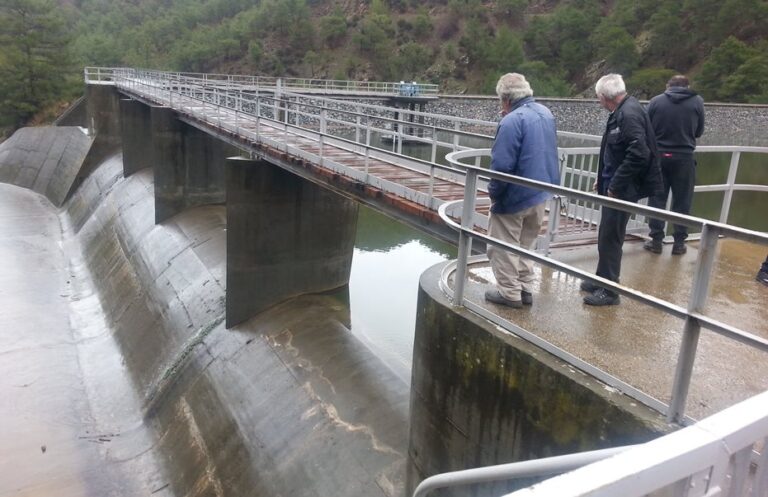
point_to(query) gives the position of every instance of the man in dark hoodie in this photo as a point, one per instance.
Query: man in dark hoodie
(677, 116)
(628, 169)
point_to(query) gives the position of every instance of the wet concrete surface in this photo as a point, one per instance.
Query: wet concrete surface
(640, 345)
(119, 378)
(52, 444)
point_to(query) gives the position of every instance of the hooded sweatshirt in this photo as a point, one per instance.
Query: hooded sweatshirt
(677, 116)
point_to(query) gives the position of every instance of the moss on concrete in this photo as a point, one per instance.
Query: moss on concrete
(481, 396)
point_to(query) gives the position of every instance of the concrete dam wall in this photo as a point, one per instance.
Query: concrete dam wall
(180, 392)
(285, 404)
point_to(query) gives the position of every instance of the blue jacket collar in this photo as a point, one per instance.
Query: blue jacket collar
(519, 102)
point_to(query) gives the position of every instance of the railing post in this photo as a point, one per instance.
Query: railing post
(732, 171)
(367, 144)
(357, 127)
(456, 127)
(691, 330)
(554, 214)
(258, 113)
(431, 183)
(323, 122)
(434, 144)
(323, 114)
(465, 240)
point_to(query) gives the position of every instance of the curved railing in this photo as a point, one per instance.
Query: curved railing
(692, 314)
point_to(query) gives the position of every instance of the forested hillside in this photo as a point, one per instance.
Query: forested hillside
(464, 45)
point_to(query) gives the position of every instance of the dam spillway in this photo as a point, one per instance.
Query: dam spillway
(119, 363)
(171, 399)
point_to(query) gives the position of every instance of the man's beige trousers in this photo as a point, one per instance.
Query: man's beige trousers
(513, 273)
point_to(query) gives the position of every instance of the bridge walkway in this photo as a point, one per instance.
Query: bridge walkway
(407, 183)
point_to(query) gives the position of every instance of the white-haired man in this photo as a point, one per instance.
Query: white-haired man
(628, 170)
(525, 145)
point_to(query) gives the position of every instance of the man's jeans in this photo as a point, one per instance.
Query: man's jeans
(679, 174)
(513, 273)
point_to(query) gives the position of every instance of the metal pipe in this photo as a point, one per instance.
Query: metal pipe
(728, 197)
(522, 469)
(692, 328)
(465, 240)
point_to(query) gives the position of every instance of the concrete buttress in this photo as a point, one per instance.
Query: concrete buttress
(286, 237)
(188, 165)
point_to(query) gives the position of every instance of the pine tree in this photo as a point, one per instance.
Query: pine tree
(34, 61)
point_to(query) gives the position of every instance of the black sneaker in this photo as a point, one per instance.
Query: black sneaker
(762, 277)
(526, 297)
(497, 298)
(679, 248)
(588, 286)
(602, 297)
(653, 246)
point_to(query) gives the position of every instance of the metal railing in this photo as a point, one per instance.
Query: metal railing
(692, 315)
(723, 455)
(714, 458)
(362, 128)
(297, 85)
(333, 125)
(523, 469)
(579, 171)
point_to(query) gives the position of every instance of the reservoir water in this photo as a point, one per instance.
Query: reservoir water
(390, 256)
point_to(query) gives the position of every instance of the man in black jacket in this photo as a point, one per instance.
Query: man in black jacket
(628, 170)
(677, 116)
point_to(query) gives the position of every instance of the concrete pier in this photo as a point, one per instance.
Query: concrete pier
(136, 135)
(286, 237)
(480, 396)
(188, 164)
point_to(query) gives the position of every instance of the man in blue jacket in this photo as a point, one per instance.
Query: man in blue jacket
(628, 169)
(525, 145)
(677, 116)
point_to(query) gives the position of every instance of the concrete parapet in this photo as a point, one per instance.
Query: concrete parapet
(481, 396)
(46, 160)
(286, 237)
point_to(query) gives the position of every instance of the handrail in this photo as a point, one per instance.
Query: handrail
(694, 319)
(460, 129)
(386, 87)
(714, 457)
(709, 456)
(521, 469)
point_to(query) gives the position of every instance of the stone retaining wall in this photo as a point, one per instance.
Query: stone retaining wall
(726, 124)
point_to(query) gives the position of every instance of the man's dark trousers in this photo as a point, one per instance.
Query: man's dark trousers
(679, 174)
(610, 239)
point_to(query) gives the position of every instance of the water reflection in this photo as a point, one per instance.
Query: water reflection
(388, 261)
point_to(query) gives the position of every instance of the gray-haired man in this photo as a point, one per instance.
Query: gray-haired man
(628, 170)
(525, 145)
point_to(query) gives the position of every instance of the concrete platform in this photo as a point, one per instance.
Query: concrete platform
(640, 345)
